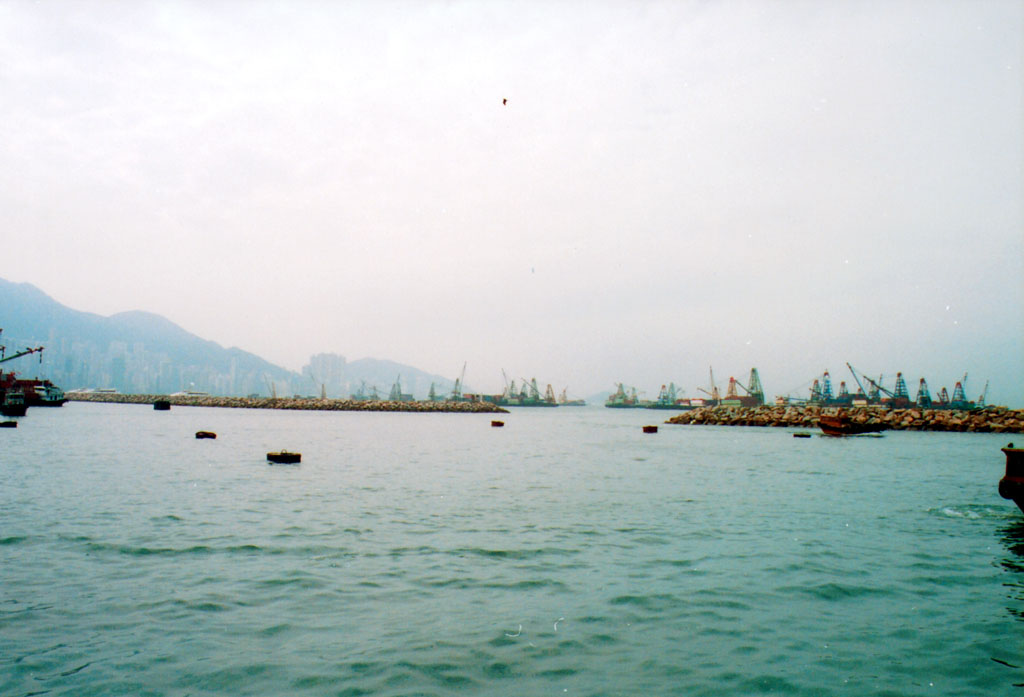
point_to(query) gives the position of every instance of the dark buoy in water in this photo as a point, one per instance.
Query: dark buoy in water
(284, 457)
(497, 424)
(205, 434)
(650, 429)
(162, 405)
(8, 424)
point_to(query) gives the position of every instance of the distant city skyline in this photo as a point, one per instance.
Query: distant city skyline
(585, 194)
(143, 353)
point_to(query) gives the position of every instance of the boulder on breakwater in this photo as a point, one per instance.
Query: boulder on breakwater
(288, 403)
(987, 420)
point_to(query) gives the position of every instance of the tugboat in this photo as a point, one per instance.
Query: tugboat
(12, 403)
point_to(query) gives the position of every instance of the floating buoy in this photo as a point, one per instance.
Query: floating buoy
(8, 424)
(802, 434)
(205, 434)
(650, 429)
(497, 424)
(284, 457)
(162, 405)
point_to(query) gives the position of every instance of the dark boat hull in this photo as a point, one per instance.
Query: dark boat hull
(1011, 486)
(841, 426)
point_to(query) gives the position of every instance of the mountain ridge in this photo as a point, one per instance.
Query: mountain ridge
(143, 352)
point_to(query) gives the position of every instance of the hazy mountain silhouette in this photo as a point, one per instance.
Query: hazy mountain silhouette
(142, 352)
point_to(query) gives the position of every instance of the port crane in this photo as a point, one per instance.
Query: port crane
(857, 380)
(755, 389)
(959, 400)
(457, 390)
(715, 395)
(19, 354)
(322, 386)
(669, 394)
(396, 390)
(924, 397)
(755, 393)
(898, 397)
(271, 386)
(874, 394)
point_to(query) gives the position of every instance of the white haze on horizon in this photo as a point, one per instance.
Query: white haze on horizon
(670, 186)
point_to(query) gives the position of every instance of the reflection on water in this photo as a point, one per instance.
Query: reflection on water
(1012, 537)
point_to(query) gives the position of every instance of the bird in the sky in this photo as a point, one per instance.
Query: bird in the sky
(504, 102)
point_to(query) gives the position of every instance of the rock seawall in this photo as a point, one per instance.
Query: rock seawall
(290, 403)
(988, 420)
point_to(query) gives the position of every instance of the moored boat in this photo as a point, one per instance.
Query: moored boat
(528, 396)
(43, 393)
(13, 404)
(623, 398)
(842, 425)
(1011, 486)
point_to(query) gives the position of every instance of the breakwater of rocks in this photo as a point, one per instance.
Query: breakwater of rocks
(988, 420)
(289, 403)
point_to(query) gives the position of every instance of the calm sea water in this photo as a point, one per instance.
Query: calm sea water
(565, 554)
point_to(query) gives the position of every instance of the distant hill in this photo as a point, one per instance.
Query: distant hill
(140, 352)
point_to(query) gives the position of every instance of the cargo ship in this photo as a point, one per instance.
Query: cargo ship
(564, 401)
(670, 397)
(623, 398)
(528, 396)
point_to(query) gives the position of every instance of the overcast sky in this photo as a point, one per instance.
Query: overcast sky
(670, 186)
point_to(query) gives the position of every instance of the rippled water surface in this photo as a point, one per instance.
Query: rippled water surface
(565, 554)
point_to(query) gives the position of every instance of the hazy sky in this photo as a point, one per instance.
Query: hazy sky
(670, 186)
